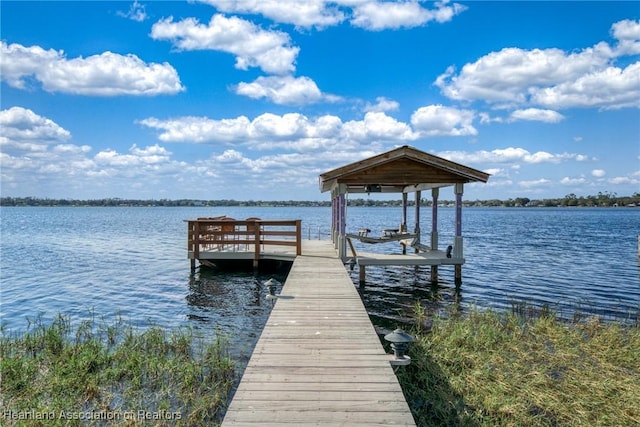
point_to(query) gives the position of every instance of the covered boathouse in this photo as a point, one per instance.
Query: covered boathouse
(403, 170)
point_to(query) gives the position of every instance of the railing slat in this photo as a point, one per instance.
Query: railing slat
(219, 233)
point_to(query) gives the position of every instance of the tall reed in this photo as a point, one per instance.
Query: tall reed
(491, 369)
(97, 373)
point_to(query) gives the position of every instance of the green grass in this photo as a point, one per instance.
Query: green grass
(83, 375)
(490, 369)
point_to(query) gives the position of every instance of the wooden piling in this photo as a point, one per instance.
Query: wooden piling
(434, 274)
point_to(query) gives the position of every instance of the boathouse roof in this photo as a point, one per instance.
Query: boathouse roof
(401, 170)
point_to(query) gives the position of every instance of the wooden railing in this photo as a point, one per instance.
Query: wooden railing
(222, 234)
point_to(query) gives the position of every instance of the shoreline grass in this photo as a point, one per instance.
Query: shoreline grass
(491, 369)
(113, 374)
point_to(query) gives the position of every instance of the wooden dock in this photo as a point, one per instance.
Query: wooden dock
(220, 239)
(318, 361)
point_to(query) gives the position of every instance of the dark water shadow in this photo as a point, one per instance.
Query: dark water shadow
(391, 297)
(226, 287)
(234, 301)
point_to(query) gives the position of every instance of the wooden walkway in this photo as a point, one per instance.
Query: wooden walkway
(318, 361)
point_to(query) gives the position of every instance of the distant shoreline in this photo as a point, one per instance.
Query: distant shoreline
(571, 200)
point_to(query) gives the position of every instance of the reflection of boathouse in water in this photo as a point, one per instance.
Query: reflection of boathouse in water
(402, 170)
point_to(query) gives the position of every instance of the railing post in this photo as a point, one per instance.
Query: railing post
(195, 230)
(257, 228)
(190, 244)
(298, 237)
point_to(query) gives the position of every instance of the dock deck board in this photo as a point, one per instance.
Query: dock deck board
(318, 360)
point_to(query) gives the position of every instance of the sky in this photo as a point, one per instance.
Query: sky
(253, 99)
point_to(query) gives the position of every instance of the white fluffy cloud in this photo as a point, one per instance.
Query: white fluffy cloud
(437, 120)
(253, 47)
(272, 51)
(536, 114)
(137, 156)
(292, 130)
(297, 170)
(542, 182)
(372, 15)
(136, 12)
(19, 124)
(107, 74)
(632, 178)
(573, 181)
(380, 15)
(610, 88)
(302, 13)
(507, 75)
(509, 155)
(377, 126)
(552, 78)
(383, 104)
(37, 158)
(627, 32)
(200, 129)
(285, 90)
(58, 164)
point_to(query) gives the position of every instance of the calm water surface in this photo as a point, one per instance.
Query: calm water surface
(581, 261)
(102, 261)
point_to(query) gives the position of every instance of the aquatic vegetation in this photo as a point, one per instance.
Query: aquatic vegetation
(58, 374)
(491, 369)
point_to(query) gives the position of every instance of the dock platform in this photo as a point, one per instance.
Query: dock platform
(318, 361)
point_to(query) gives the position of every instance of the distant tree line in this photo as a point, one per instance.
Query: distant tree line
(605, 199)
(116, 201)
(602, 199)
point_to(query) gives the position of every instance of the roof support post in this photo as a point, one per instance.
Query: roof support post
(342, 241)
(403, 225)
(435, 192)
(334, 218)
(458, 191)
(342, 221)
(457, 243)
(417, 227)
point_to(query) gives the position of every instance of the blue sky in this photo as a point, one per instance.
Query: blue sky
(252, 100)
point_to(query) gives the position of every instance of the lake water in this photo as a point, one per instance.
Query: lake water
(98, 262)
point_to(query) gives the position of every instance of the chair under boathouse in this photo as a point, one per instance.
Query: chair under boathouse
(403, 170)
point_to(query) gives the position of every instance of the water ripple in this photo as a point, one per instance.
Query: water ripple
(101, 261)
